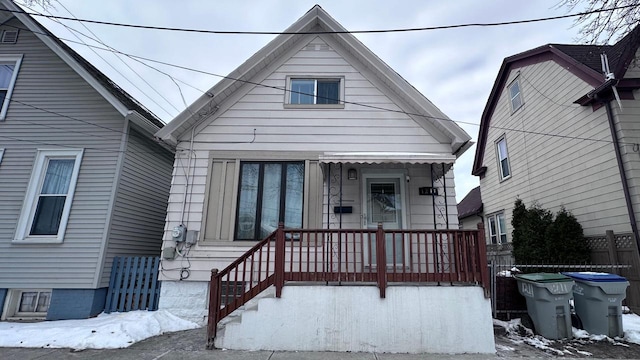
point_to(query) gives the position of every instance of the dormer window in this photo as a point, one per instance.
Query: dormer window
(315, 91)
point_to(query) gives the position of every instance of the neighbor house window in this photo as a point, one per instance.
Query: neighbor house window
(503, 158)
(48, 201)
(497, 229)
(319, 91)
(33, 303)
(515, 95)
(270, 193)
(9, 65)
(26, 304)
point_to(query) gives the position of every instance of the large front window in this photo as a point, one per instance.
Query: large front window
(270, 193)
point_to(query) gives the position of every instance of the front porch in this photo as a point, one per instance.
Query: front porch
(425, 268)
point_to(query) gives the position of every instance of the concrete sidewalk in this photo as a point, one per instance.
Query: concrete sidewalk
(191, 345)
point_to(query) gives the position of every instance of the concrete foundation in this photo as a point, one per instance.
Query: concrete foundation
(411, 319)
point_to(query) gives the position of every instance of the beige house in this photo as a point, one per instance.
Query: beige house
(315, 132)
(557, 130)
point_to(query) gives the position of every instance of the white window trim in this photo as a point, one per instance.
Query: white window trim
(499, 230)
(30, 201)
(515, 81)
(1, 155)
(287, 93)
(12, 305)
(7, 99)
(502, 177)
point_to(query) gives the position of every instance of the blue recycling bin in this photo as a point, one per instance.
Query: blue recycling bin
(598, 301)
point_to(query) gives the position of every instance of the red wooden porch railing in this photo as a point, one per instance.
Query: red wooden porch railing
(348, 256)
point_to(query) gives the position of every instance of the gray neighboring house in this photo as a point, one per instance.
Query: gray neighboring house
(470, 210)
(82, 179)
(554, 133)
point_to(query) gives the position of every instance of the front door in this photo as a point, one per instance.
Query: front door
(384, 203)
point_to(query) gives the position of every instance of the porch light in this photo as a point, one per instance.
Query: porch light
(352, 174)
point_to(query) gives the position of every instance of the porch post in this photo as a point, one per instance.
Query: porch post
(381, 260)
(214, 308)
(482, 260)
(279, 259)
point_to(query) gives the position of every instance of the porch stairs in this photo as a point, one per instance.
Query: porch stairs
(250, 309)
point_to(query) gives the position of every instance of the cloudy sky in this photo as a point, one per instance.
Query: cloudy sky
(454, 68)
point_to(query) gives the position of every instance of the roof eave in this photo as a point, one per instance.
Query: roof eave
(542, 53)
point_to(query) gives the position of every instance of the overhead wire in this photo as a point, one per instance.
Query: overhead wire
(110, 49)
(374, 31)
(98, 40)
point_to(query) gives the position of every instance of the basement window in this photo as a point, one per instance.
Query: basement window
(27, 304)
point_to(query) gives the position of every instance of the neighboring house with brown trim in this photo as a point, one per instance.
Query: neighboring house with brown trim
(316, 132)
(82, 179)
(553, 133)
(470, 210)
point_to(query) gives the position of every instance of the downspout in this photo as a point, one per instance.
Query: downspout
(623, 174)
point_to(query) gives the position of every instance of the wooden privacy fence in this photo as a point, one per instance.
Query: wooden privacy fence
(348, 256)
(620, 249)
(133, 285)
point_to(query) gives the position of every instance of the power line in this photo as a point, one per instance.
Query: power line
(292, 91)
(230, 32)
(98, 40)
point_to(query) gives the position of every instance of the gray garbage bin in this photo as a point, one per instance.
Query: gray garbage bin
(598, 301)
(548, 298)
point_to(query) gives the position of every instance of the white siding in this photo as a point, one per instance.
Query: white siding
(302, 133)
(560, 153)
(52, 107)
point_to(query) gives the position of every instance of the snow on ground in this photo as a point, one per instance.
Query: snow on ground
(519, 334)
(106, 331)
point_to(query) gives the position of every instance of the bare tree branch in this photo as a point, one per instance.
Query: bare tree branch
(606, 26)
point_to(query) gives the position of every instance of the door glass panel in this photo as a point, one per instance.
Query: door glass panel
(384, 205)
(270, 199)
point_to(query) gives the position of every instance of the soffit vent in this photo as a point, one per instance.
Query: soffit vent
(9, 37)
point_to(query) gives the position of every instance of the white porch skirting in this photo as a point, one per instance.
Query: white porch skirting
(411, 319)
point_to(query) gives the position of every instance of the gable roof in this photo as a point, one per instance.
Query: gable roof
(581, 60)
(471, 204)
(114, 94)
(316, 18)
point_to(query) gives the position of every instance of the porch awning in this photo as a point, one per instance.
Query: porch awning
(386, 157)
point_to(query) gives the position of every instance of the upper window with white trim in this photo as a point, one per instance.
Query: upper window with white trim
(504, 168)
(9, 65)
(515, 95)
(48, 201)
(315, 91)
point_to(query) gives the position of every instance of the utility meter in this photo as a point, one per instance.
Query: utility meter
(179, 233)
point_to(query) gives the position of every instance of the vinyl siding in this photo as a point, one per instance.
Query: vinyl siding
(141, 201)
(54, 108)
(560, 153)
(628, 131)
(227, 138)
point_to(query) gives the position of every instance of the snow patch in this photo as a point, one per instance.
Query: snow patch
(106, 331)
